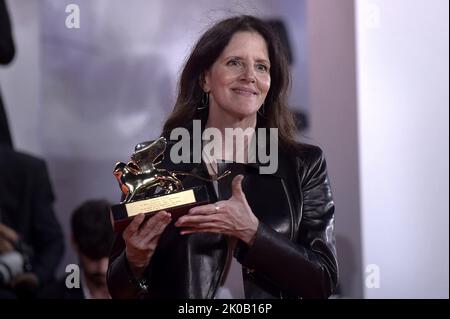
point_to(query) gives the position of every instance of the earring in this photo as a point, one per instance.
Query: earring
(204, 104)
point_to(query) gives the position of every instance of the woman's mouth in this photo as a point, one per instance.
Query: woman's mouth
(244, 91)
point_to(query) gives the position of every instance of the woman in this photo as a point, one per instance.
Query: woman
(276, 228)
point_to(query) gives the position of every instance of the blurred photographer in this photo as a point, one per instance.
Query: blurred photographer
(92, 238)
(31, 239)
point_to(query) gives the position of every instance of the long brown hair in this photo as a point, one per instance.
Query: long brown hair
(205, 53)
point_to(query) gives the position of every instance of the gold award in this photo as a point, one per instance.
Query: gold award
(148, 189)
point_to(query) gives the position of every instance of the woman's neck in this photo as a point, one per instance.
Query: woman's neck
(227, 121)
(239, 152)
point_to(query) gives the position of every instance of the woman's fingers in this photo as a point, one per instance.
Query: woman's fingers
(141, 238)
(154, 227)
(207, 209)
(236, 187)
(133, 227)
(211, 229)
(188, 220)
(155, 223)
(139, 232)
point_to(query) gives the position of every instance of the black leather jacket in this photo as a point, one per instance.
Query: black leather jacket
(293, 255)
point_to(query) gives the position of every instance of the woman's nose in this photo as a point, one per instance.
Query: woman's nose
(248, 75)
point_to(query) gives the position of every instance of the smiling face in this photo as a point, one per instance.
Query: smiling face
(239, 80)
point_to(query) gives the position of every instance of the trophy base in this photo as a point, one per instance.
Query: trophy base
(176, 203)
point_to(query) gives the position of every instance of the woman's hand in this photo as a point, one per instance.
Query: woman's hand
(231, 217)
(141, 239)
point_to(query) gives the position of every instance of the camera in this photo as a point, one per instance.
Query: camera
(11, 265)
(15, 268)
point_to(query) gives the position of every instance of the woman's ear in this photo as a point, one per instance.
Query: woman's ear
(204, 82)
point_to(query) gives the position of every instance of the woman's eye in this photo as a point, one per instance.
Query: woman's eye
(262, 67)
(233, 62)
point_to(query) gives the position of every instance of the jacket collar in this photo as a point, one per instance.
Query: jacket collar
(200, 168)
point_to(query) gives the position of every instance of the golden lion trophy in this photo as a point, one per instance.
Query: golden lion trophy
(148, 189)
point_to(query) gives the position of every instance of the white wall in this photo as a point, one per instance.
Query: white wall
(403, 116)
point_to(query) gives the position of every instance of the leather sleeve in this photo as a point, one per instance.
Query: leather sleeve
(307, 266)
(119, 277)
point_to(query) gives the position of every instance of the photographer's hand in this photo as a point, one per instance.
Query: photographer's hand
(7, 238)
